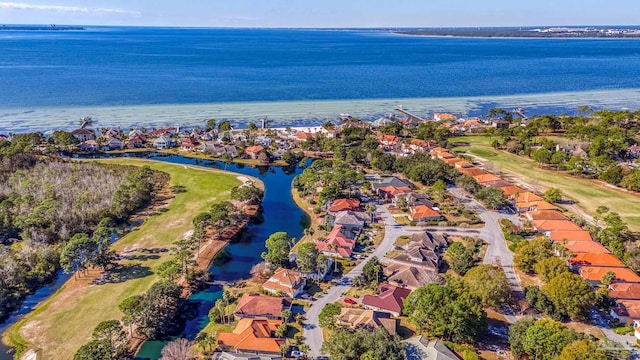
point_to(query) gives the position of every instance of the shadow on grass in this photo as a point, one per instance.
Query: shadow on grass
(128, 272)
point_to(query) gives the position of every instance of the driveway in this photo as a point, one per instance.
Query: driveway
(312, 330)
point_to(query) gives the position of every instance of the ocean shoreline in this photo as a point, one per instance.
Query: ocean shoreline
(303, 113)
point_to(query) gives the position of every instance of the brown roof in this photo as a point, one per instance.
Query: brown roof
(370, 319)
(486, 178)
(253, 149)
(255, 305)
(391, 298)
(472, 171)
(629, 291)
(512, 190)
(253, 335)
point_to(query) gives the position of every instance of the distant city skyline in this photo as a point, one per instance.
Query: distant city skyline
(318, 14)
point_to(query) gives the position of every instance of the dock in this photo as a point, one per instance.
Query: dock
(410, 115)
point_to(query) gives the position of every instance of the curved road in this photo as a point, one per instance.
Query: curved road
(312, 330)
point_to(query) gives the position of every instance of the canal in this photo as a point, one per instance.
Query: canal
(280, 214)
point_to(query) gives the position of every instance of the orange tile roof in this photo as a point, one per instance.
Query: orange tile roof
(422, 212)
(595, 273)
(512, 190)
(556, 225)
(600, 260)
(486, 178)
(438, 150)
(543, 205)
(472, 171)
(581, 235)
(629, 291)
(344, 204)
(546, 215)
(527, 196)
(592, 247)
(446, 155)
(337, 242)
(252, 305)
(253, 335)
(253, 149)
(452, 160)
(388, 138)
(392, 190)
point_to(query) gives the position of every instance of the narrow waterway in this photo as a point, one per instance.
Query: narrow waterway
(280, 214)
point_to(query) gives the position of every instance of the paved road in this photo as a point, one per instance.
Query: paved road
(312, 330)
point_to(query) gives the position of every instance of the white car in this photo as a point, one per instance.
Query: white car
(297, 354)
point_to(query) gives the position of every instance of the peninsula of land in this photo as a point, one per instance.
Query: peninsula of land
(530, 32)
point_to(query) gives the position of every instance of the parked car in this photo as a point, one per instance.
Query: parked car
(297, 354)
(349, 301)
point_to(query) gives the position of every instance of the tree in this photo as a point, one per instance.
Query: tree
(78, 253)
(247, 194)
(384, 162)
(442, 312)
(439, 189)
(112, 332)
(536, 298)
(307, 257)
(489, 283)
(328, 316)
(541, 156)
(550, 267)
(224, 126)
(63, 138)
(517, 335)
(529, 253)
(492, 197)
(467, 183)
(545, 339)
(292, 157)
(372, 272)
(94, 350)
(462, 258)
(179, 349)
(206, 342)
(608, 278)
(582, 350)
(211, 125)
(553, 195)
(363, 344)
(278, 246)
(571, 295)
(222, 215)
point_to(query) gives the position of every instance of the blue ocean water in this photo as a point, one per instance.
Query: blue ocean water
(134, 67)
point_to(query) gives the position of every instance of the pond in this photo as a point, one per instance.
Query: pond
(280, 214)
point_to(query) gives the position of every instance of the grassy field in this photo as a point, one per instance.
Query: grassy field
(65, 321)
(587, 194)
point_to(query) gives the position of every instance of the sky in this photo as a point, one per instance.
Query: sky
(321, 13)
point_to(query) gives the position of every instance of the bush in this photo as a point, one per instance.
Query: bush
(623, 330)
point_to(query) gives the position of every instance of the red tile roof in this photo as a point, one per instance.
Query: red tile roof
(337, 243)
(391, 298)
(629, 291)
(512, 190)
(486, 178)
(253, 149)
(546, 215)
(585, 247)
(344, 204)
(472, 171)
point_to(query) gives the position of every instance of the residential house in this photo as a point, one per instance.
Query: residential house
(264, 140)
(624, 291)
(419, 348)
(626, 311)
(223, 355)
(561, 235)
(260, 306)
(388, 141)
(500, 124)
(352, 222)
(423, 213)
(392, 181)
(431, 241)
(598, 260)
(582, 247)
(285, 281)
(452, 161)
(547, 226)
(88, 146)
(472, 171)
(83, 135)
(410, 277)
(367, 319)
(136, 142)
(252, 335)
(136, 133)
(112, 143)
(412, 198)
(445, 155)
(339, 205)
(253, 151)
(338, 243)
(418, 145)
(189, 144)
(391, 192)
(511, 191)
(463, 165)
(545, 215)
(162, 142)
(391, 299)
(485, 178)
(594, 274)
(444, 117)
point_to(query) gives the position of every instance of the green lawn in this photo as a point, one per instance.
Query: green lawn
(588, 194)
(65, 321)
